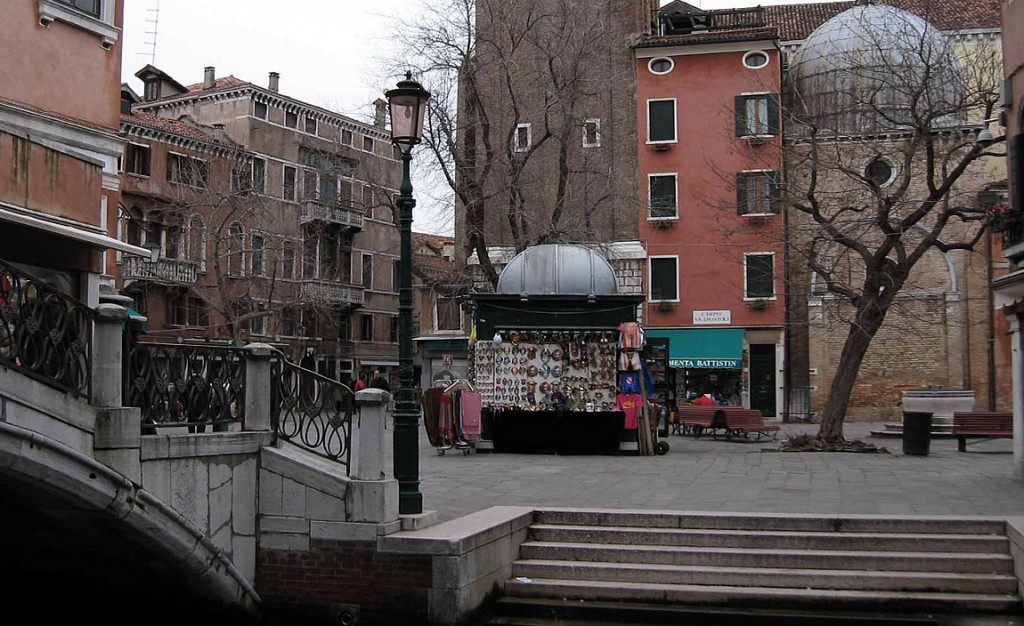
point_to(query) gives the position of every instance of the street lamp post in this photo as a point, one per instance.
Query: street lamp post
(407, 104)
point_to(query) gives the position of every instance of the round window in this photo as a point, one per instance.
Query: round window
(661, 65)
(878, 171)
(755, 59)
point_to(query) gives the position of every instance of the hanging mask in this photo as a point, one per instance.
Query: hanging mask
(545, 355)
(531, 352)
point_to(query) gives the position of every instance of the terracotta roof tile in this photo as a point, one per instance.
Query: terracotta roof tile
(796, 21)
(168, 125)
(714, 36)
(434, 241)
(225, 82)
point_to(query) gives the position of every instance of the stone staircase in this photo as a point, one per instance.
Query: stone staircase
(701, 568)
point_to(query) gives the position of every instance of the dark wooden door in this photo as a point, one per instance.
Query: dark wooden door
(762, 378)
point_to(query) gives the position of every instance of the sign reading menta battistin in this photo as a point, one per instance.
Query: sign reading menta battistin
(723, 364)
(712, 317)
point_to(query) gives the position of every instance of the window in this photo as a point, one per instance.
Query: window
(664, 278)
(328, 188)
(137, 159)
(185, 310)
(592, 133)
(396, 276)
(288, 183)
(197, 240)
(173, 240)
(258, 324)
(235, 246)
(661, 65)
(288, 321)
(151, 91)
(368, 270)
(367, 196)
(291, 119)
(759, 275)
(241, 179)
(757, 193)
(661, 121)
(288, 261)
(755, 60)
(259, 109)
(92, 7)
(259, 175)
(345, 327)
(757, 115)
(310, 125)
(259, 246)
(346, 137)
(309, 327)
(187, 171)
(523, 138)
(309, 185)
(345, 193)
(366, 327)
(393, 330)
(448, 314)
(879, 172)
(368, 143)
(663, 195)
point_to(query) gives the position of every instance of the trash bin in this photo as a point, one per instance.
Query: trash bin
(917, 432)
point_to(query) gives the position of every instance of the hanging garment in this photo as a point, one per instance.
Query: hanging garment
(631, 336)
(630, 361)
(630, 404)
(431, 404)
(471, 408)
(446, 421)
(629, 382)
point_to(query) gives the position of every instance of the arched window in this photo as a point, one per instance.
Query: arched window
(236, 249)
(196, 239)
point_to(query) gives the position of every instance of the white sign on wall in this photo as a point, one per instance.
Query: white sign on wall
(712, 317)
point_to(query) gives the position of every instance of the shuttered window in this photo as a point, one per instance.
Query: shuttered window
(664, 278)
(661, 120)
(760, 275)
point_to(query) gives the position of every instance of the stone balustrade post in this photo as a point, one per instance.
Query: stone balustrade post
(259, 383)
(368, 434)
(118, 430)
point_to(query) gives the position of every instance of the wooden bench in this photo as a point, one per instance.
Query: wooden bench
(697, 420)
(984, 424)
(743, 422)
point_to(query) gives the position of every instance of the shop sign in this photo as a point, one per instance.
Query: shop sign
(447, 359)
(712, 317)
(723, 364)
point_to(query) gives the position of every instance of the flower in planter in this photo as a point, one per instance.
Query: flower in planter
(1000, 217)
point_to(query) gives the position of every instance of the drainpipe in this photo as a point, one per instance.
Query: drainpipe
(991, 324)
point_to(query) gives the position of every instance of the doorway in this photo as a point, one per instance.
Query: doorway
(762, 378)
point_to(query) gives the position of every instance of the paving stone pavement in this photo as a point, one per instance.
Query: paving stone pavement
(730, 476)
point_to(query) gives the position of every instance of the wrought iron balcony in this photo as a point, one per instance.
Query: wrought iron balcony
(317, 211)
(332, 291)
(164, 270)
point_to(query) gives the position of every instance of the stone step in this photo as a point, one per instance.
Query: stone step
(896, 601)
(752, 557)
(518, 611)
(771, 521)
(767, 577)
(809, 540)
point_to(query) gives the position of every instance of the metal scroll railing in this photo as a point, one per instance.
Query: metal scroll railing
(312, 411)
(44, 333)
(185, 385)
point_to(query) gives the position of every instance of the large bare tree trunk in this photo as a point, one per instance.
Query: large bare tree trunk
(862, 330)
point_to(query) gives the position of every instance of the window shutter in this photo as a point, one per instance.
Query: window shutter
(1016, 172)
(741, 116)
(741, 193)
(774, 191)
(773, 114)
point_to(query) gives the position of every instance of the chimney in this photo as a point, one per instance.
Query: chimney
(380, 113)
(218, 132)
(209, 77)
(275, 79)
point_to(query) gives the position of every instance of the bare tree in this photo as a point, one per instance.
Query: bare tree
(519, 91)
(883, 167)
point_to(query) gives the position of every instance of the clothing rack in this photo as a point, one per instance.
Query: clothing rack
(460, 385)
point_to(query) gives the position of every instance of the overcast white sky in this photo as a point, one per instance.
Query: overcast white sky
(326, 51)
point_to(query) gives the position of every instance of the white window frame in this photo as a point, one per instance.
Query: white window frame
(446, 331)
(124, 161)
(766, 176)
(373, 144)
(262, 189)
(650, 277)
(650, 201)
(362, 263)
(650, 65)
(762, 96)
(187, 161)
(295, 182)
(104, 28)
(305, 125)
(675, 121)
(768, 59)
(516, 146)
(266, 110)
(596, 122)
(775, 292)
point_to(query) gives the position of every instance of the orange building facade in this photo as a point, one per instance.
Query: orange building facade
(709, 147)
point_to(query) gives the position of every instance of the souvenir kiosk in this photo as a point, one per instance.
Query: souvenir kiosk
(546, 355)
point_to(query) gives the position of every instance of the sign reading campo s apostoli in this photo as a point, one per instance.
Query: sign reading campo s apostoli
(707, 318)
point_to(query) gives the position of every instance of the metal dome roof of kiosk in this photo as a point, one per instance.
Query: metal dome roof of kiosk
(558, 269)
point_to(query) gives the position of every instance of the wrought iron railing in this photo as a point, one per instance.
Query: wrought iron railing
(185, 385)
(165, 270)
(44, 333)
(312, 411)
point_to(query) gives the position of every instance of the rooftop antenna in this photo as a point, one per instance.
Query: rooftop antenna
(152, 21)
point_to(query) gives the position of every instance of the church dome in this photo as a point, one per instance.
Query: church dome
(863, 70)
(558, 269)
